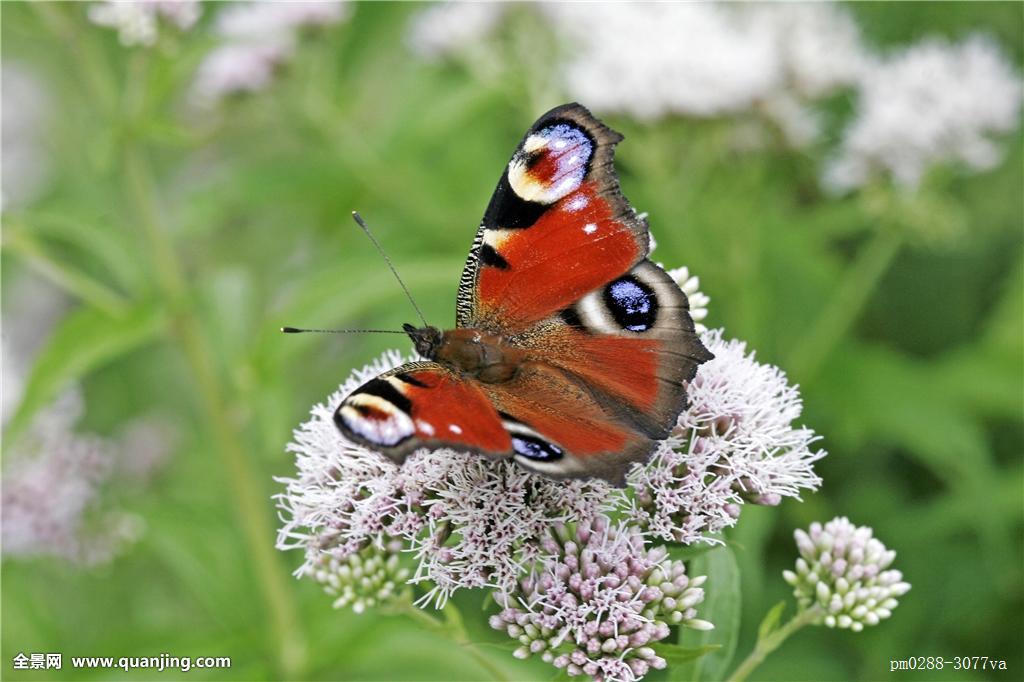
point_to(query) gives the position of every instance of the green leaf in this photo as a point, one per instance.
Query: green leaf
(61, 271)
(675, 654)
(721, 606)
(771, 620)
(83, 341)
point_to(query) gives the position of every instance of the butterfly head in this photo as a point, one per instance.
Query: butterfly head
(425, 339)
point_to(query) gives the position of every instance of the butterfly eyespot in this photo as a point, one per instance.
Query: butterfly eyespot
(632, 303)
(374, 419)
(536, 449)
(551, 164)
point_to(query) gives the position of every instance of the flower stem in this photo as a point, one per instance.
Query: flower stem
(773, 641)
(846, 305)
(250, 500)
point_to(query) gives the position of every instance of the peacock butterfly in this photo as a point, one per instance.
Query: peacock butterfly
(571, 349)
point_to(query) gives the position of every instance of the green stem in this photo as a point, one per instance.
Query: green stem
(846, 305)
(767, 645)
(250, 500)
(451, 628)
(92, 68)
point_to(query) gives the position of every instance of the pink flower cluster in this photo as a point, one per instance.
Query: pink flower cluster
(597, 602)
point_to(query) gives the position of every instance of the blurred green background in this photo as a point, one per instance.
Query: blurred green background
(181, 241)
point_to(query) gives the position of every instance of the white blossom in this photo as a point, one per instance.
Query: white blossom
(257, 38)
(931, 103)
(233, 69)
(819, 45)
(698, 300)
(250, 21)
(844, 572)
(654, 59)
(734, 443)
(137, 21)
(689, 283)
(444, 28)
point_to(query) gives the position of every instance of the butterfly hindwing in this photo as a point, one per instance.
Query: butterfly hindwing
(632, 342)
(560, 428)
(556, 227)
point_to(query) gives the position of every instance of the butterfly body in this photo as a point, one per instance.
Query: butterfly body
(571, 349)
(473, 353)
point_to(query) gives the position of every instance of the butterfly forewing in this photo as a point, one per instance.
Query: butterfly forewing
(556, 227)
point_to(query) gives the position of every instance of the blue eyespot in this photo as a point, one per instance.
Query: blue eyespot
(535, 448)
(632, 303)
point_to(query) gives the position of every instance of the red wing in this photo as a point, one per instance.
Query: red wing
(422, 404)
(632, 342)
(559, 429)
(556, 228)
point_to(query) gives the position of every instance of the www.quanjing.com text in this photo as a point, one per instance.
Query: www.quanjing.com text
(157, 663)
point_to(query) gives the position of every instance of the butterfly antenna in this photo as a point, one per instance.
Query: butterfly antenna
(297, 330)
(359, 221)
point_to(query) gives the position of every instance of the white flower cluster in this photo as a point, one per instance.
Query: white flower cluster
(137, 21)
(928, 104)
(931, 103)
(735, 443)
(362, 580)
(256, 39)
(598, 601)
(842, 571)
(698, 300)
(53, 481)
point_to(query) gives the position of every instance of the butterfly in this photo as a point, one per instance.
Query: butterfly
(571, 349)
